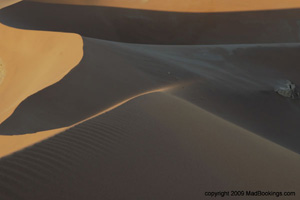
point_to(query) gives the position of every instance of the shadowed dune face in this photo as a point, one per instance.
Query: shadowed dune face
(187, 5)
(143, 121)
(73, 99)
(246, 73)
(10, 144)
(154, 147)
(33, 60)
(154, 27)
(29, 62)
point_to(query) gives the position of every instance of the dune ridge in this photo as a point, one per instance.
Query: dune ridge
(115, 113)
(157, 27)
(186, 6)
(246, 73)
(5, 3)
(147, 141)
(12, 144)
(34, 60)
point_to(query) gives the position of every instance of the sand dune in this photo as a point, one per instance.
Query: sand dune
(219, 74)
(11, 144)
(5, 3)
(32, 61)
(98, 117)
(154, 147)
(154, 27)
(186, 6)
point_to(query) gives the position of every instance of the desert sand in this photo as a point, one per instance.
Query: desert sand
(187, 5)
(128, 100)
(31, 61)
(157, 27)
(5, 3)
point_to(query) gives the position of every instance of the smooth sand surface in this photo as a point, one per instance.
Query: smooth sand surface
(136, 121)
(11, 144)
(29, 62)
(156, 146)
(187, 5)
(5, 3)
(235, 82)
(2, 71)
(32, 61)
(157, 27)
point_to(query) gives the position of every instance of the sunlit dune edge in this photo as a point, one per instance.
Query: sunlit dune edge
(33, 60)
(11, 144)
(5, 3)
(186, 6)
(231, 152)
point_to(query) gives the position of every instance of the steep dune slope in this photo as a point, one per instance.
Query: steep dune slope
(230, 81)
(154, 147)
(29, 62)
(32, 61)
(140, 121)
(157, 27)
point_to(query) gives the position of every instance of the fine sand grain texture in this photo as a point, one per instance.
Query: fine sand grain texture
(156, 146)
(11, 144)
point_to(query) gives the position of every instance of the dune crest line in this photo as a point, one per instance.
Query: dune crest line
(11, 144)
(5, 3)
(33, 60)
(185, 6)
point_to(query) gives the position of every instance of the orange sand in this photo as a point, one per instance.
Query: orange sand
(5, 3)
(11, 144)
(33, 60)
(29, 62)
(188, 5)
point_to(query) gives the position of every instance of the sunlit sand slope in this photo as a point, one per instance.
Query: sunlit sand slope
(31, 61)
(157, 27)
(5, 3)
(187, 5)
(235, 82)
(154, 147)
(11, 144)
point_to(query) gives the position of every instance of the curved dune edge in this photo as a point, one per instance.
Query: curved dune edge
(11, 144)
(186, 6)
(155, 144)
(5, 3)
(34, 60)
